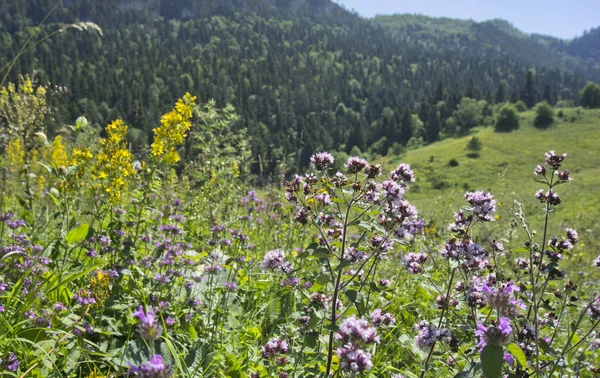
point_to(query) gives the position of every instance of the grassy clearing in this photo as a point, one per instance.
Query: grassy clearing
(505, 167)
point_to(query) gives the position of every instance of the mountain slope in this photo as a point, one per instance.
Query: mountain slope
(305, 75)
(501, 36)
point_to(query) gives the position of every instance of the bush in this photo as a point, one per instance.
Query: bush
(453, 162)
(474, 146)
(521, 107)
(544, 115)
(396, 150)
(507, 119)
(590, 96)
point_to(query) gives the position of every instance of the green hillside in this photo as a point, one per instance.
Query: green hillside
(505, 167)
(303, 75)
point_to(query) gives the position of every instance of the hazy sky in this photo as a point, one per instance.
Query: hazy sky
(559, 18)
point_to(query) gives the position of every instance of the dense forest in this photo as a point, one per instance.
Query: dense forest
(304, 75)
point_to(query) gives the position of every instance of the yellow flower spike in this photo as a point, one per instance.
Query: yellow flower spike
(173, 130)
(114, 162)
(58, 155)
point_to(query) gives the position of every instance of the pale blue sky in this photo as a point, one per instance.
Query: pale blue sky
(559, 18)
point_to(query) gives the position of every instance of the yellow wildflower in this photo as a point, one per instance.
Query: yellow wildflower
(99, 286)
(15, 153)
(96, 374)
(58, 155)
(114, 162)
(172, 130)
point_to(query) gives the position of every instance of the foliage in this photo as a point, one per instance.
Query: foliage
(189, 273)
(590, 96)
(521, 107)
(507, 118)
(469, 114)
(544, 115)
(474, 146)
(350, 85)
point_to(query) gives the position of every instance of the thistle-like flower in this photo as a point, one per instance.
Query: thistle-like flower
(494, 335)
(153, 368)
(149, 329)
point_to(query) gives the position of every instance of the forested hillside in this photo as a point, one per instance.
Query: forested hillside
(303, 74)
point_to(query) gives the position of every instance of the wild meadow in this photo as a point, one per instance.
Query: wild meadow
(166, 262)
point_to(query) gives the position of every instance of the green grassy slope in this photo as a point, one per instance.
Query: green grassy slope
(505, 168)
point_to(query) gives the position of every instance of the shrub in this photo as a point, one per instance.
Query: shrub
(544, 115)
(507, 119)
(453, 162)
(474, 146)
(590, 96)
(521, 106)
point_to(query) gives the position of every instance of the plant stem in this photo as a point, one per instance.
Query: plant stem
(424, 369)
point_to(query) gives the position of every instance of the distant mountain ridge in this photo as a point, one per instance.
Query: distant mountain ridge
(580, 55)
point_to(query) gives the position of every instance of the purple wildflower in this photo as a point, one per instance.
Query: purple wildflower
(339, 180)
(563, 175)
(213, 269)
(413, 262)
(373, 170)
(274, 347)
(355, 164)
(494, 335)
(354, 359)
(427, 335)
(554, 160)
(403, 174)
(540, 170)
(149, 329)
(378, 318)
(357, 330)
(321, 160)
(482, 204)
(153, 368)
(12, 362)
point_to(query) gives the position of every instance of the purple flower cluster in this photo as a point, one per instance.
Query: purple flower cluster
(493, 335)
(413, 262)
(403, 174)
(276, 260)
(355, 164)
(354, 333)
(597, 262)
(149, 329)
(84, 297)
(483, 205)
(594, 309)
(550, 197)
(321, 160)
(274, 347)
(379, 319)
(554, 160)
(153, 368)
(427, 335)
(10, 363)
(502, 298)
(472, 255)
(354, 359)
(356, 330)
(354, 255)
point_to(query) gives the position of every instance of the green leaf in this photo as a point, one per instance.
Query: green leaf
(353, 295)
(78, 234)
(321, 252)
(492, 359)
(517, 353)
